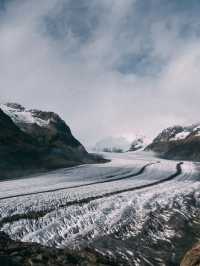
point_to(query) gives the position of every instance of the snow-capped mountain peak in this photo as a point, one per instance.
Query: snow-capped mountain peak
(178, 133)
(139, 143)
(178, 142)
(20, 114)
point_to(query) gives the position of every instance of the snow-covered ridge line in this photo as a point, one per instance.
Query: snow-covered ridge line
(20, 114)
(41, 140)
(177, 133)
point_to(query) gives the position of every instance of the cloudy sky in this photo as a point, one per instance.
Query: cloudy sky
(108, 67)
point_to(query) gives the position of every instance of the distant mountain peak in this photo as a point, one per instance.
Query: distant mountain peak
(139, 143)
(15, 106)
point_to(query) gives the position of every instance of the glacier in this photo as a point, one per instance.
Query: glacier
(136, 209)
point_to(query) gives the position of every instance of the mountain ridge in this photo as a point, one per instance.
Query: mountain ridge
(178, 142)
(33, 140)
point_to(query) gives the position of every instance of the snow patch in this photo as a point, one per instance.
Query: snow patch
(181, 135)
(140, 143)
(22, 115)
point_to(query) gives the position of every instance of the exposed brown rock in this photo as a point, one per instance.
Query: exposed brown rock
(192, 257)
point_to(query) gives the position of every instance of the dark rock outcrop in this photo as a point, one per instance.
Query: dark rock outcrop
(181, 143)
(32, 141)
(16, 253)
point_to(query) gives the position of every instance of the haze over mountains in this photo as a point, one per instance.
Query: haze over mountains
(176, 143)
(103, 61)
(112, 144)
(121, 144)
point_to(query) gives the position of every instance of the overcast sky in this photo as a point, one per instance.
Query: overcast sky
(108, 67)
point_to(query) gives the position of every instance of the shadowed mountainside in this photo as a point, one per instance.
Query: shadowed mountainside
(32, 141)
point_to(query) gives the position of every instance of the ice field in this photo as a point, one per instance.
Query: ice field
(125, 209)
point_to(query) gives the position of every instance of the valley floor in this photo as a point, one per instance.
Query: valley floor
(136, 210)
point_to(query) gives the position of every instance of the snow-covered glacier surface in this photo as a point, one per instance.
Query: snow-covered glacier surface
(137, 209)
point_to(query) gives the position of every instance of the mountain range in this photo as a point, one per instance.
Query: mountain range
(34, 140)
(176, 142)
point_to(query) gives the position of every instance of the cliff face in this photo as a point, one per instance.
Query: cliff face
(181, 143)
(33, 140)
(47, 127)
(17, 149)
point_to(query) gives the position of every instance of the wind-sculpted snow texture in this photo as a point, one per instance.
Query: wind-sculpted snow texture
(137, 209)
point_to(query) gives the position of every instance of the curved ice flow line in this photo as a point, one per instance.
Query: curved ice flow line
(82, 185)
(190, 173)
(63, 229)
(43, 202)
(42, 213)
(146, 177)
(109, 194)
(60, 179)
(33, 233)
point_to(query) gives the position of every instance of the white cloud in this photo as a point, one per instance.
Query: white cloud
(79, 78)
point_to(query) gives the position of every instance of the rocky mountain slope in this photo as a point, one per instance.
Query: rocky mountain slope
(33, 140)
(178, 143)
(16, 253)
